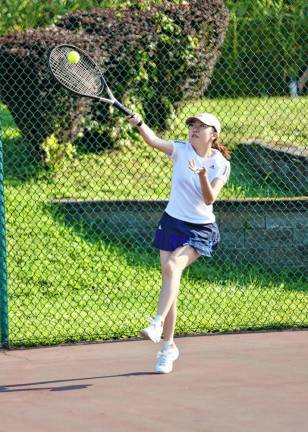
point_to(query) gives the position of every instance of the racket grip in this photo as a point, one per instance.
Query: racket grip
(122, 108)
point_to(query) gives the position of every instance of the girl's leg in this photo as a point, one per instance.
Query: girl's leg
(172, 266)
(169, 324)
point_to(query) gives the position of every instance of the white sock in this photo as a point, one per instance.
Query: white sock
(158, 318)
(167, 345)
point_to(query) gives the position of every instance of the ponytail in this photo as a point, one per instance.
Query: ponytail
(220, 147)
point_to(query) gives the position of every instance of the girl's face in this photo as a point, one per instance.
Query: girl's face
(200, 133)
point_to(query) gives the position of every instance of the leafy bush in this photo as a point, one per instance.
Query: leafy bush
(154, 58)
(265, 47)
(38, 105)
(56, 152)
(18, 15)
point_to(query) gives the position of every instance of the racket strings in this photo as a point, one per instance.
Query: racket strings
(82, 77)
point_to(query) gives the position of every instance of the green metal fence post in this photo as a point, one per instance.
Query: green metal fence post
(4, 321)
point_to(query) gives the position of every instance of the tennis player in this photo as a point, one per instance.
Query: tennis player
(187, 228)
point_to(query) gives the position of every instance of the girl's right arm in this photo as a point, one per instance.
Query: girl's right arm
(149, 136)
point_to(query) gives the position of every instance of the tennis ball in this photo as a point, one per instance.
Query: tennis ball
(73, 57)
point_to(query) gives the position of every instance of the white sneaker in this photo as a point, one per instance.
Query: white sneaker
(154, 330)
(166, 357)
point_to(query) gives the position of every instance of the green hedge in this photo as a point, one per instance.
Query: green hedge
(265, 47)
(163, 54)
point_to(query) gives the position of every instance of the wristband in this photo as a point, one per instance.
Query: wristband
(140, 123)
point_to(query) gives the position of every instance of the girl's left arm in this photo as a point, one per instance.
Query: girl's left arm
(210, 191)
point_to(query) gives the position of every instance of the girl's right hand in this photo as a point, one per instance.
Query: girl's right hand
(134, 120)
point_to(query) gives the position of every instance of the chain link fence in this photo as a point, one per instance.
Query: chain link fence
(83, 193)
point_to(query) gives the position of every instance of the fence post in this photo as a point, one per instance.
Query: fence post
(4, 321)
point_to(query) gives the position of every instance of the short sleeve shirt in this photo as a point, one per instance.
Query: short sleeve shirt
(186, 200)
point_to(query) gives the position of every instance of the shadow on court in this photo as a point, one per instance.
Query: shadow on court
(28, 386)
(238, 382)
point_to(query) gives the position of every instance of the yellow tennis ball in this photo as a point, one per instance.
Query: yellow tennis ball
(73, 57)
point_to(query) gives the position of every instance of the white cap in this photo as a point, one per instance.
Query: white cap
(208, 119)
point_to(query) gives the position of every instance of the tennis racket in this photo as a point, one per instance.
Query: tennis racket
(83, 78)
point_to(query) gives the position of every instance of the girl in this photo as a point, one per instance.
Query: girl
(187, 229)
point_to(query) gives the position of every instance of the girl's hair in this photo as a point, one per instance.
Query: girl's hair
(223, 149)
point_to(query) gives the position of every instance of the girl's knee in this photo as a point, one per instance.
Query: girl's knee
(171, 267)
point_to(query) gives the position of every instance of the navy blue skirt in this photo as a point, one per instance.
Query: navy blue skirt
(172, 233)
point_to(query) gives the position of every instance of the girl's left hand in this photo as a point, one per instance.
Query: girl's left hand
(192, 165)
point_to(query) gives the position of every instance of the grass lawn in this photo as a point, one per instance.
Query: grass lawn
(277, 120)
(66, 283)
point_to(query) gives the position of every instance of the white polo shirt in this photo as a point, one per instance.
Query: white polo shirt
(186, 201)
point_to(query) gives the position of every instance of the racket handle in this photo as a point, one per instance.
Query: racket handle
(122, 108)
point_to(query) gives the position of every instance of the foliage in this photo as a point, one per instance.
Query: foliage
(265, 47)
(139, 172)
(274, 30)
(131, 44)
(56, 152)
(68, 282)
(38, 105)
(18, 15)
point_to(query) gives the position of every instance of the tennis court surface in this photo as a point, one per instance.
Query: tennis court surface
(248, 382)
